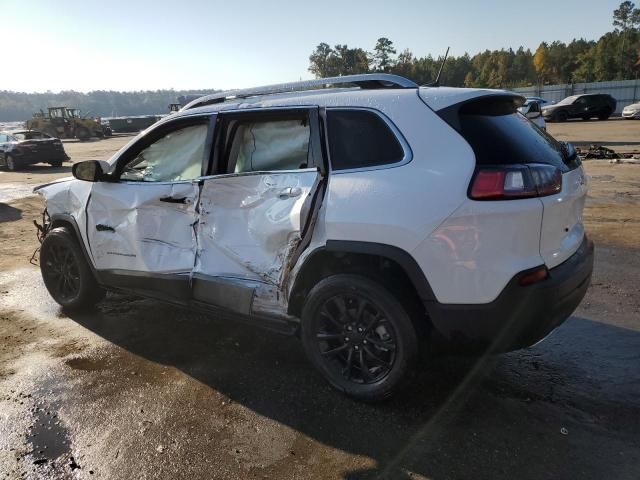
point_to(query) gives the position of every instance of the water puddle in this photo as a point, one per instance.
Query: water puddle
(48, 436)
(15, 191)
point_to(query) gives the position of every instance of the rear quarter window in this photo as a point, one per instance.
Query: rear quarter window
(361, 139)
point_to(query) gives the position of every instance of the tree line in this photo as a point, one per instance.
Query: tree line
(614, 56)
(15, 106)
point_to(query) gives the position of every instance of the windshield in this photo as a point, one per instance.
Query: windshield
(568, 100)
(30, 135)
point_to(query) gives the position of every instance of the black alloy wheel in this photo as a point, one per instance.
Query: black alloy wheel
(61, 273)
(355, 338)
(359, 336)
(66, 273)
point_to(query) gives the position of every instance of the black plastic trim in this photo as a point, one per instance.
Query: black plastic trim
(68, 219)
(174, 287)
(401, 257)
(521, 315)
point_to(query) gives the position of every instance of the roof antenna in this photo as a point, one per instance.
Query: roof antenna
(436, 82)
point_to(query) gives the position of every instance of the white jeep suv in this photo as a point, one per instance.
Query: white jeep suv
(373, 219)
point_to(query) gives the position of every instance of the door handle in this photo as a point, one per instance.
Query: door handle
(290, 192)
(175, 199)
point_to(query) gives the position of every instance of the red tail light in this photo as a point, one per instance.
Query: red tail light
(515, 181)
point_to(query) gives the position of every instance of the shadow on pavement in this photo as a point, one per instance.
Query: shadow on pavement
(566, 408)
(603, 143)
(9, 213)
(39, 168)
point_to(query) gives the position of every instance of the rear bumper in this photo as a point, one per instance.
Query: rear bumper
(521, 315)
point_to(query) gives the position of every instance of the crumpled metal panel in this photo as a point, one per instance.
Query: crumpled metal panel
(249, 226)
(67, 197)
(131, 229)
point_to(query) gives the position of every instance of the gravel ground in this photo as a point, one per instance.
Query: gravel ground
(142, 390)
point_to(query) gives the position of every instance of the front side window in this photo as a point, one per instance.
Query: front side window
(269, 146)
(360, 139)
(176, 156)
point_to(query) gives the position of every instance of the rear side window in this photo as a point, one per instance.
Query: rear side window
(499, 135)
(269, 146)
(360, 139)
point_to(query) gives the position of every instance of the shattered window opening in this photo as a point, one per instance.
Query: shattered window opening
(269, 146)
(176, 156)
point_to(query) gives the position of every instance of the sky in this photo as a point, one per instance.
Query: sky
(195, 44)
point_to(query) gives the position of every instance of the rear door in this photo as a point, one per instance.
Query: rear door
(258, 207)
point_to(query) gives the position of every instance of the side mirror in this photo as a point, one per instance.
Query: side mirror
(90, 170)
(533, 115)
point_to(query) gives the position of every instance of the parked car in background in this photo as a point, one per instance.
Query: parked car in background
(586, 106)
(20, 148)
(631, 112)
(540, 100)
(374, 221)
(532, 110)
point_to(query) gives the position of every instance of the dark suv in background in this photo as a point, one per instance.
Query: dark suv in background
(580, 106)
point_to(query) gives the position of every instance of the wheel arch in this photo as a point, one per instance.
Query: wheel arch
(66, 220)
(394, 267)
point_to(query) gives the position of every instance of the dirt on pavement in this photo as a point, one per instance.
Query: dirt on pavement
(138, 389)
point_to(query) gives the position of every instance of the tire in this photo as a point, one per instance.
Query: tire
(11, 163)
(56, 164)
(352, 325)
(66, 273)
(83, 133)
(586, 119)
(604, 115)
(561, 117)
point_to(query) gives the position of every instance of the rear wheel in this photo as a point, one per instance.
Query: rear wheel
(83, 133)
(359, 336)
(11, 163)
(605, 115)
(66, 273)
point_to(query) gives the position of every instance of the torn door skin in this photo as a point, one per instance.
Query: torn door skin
(136, 231)
(248, 229)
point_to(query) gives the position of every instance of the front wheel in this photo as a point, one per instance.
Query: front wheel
(11, 163)
(359, 336)
(56, 163)
(561, 117)
(66, 273)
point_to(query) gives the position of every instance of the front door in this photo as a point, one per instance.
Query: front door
(259, 206)
(141, 225)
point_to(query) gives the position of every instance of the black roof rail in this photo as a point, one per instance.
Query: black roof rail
(364, 81)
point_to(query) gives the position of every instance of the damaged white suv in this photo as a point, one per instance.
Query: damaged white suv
(373, 219)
